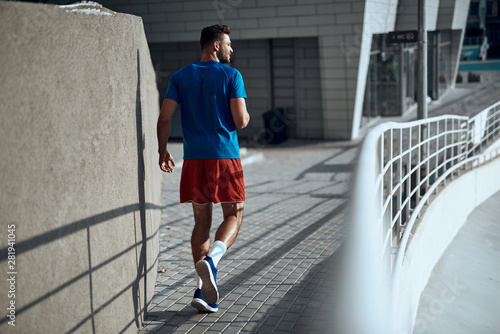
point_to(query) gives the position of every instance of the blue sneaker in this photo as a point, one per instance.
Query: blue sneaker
(208, 274)
(201, 304)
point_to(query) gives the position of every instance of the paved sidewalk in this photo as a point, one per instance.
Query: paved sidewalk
(275, 278)
(468, 99)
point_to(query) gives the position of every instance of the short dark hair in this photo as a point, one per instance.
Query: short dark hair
(212, 34)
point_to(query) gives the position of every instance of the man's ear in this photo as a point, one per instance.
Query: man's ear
(216, 45)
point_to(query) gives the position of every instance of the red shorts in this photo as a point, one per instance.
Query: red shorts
(212, 181)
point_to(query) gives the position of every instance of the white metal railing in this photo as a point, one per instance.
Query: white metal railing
(414, 157)
(400, 166)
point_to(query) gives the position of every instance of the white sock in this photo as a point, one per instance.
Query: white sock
(198, 280)
(218, 249)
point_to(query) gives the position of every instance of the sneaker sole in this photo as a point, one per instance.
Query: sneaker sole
(202, 306)
(209, 287)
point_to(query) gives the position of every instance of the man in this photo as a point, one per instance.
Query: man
(212, 96)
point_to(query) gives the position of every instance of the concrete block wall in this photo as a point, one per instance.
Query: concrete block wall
(296, 80)
(80, 187)
(309, 113)
(251, 58)
(285, 80)
(343, 28)
(276, 19)
(407, 18)
(284, 73)
(452, 14)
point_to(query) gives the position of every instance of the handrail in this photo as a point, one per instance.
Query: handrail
(393, 186)
(400, 166)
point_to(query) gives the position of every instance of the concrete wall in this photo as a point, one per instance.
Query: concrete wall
(80, 186)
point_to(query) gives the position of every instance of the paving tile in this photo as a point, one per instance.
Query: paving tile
(184, 328)
(199, 329)
(232, 329)
(265, 329)
(219, 327)
(244, 316)
(250, 327)
(166, 329)
(268, 279)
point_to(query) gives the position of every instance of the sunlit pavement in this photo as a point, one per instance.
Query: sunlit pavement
(277, 275)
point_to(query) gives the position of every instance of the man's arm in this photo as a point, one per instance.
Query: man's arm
(168, 108)
(239, 111)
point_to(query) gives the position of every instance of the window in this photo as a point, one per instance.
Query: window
(489, 8)
(474, 9)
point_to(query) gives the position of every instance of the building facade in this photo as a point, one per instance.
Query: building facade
(328, 64)
(482, 35)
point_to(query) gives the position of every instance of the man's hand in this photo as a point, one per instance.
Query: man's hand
(163, 131)
(167, 162)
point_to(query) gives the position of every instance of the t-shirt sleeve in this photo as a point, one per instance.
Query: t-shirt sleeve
(173, 90)
(238, 88)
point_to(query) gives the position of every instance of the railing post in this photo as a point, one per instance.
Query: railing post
(445, 167)
(399, 178)
(419, 162)
(408, 177)
(470, 142)
(427, 158)
(427, 155)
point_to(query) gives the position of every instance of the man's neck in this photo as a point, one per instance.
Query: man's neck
(209, 57)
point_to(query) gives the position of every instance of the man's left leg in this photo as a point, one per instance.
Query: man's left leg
(200, 245)
(233, 217)
(225, 236)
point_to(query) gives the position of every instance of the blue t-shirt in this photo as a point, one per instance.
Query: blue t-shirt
(204, 90)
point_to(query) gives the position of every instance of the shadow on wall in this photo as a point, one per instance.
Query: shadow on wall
(141, 178)
(85, 225)
(81, 190)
